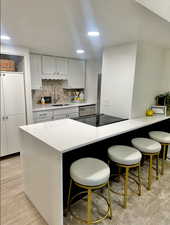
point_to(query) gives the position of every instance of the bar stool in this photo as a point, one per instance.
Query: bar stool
(127, 158)
(90, 174)
(164, 139)
(152, 149)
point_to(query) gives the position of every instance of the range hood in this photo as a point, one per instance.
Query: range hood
(53, 77)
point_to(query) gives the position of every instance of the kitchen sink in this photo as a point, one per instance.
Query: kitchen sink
(60, 104)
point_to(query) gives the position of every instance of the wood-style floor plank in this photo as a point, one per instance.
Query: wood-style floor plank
(152, 208)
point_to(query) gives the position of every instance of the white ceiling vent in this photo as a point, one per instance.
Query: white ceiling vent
(160, 7)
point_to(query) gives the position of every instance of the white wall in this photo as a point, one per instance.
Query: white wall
(92, 70)
(118, 72)
(148, 77)
(166, 78)
(14, 50)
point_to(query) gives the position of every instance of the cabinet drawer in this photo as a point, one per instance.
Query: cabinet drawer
(73, 115)
(42, 116)
(59, 117)
(66, 111)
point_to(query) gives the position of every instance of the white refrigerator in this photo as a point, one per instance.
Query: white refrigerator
(13, 113)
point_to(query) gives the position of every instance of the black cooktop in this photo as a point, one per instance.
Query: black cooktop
(99, 120)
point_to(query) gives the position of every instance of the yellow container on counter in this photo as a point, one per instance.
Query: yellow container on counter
(149, 112)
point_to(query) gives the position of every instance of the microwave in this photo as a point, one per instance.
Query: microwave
(163, 100)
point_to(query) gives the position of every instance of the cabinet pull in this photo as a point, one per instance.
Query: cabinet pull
(43, 114)
(5, 118)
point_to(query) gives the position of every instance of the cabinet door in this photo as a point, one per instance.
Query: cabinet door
(62, 65)
(35, 63)
(76, 74)
(2, 120)
(14, 93)
(13, 123)
(49, 65)
(4, 150)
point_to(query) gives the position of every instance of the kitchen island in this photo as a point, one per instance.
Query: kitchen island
(49, 148)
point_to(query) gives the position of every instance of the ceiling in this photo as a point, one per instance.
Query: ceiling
(161, 8)
(59, 27)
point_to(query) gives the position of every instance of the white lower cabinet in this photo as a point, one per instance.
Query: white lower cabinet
(12, 129)
(10, 138)
(42, 116)
(55, 114)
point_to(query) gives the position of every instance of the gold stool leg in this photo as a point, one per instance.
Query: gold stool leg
(119, 172)
(126, 187)
(150, 172)
(89, 207)
(109, 198)
(139, 180)
(157, 167)
(163, 159)
(69, 195)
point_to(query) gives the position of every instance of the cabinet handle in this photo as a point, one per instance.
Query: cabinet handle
(4, 117)
(4, 74)
(43, 114)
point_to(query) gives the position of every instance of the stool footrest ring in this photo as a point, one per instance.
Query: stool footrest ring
(95, 221)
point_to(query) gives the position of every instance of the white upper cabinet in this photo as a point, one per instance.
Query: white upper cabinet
(35, 62)
(56, 68)
(62, 66)
(76, 74)
(49, 65)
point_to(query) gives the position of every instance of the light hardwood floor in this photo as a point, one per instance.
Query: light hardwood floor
(152, 208)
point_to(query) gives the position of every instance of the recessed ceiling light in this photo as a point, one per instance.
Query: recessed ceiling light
(93, 34)
(80, 51)
(5, 37)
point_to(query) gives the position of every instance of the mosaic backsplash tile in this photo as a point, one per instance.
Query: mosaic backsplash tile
(53, 88)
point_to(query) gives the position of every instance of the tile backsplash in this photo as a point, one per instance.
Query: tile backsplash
(53, 88)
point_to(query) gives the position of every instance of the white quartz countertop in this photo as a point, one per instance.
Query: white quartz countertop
(67, 134)
(40, 107)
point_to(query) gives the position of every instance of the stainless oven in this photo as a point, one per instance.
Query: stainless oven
(87, 110)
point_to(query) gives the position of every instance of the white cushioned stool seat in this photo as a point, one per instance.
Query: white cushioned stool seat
(124, 155)
(146, 145)
(161, 136)
(90, 172)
